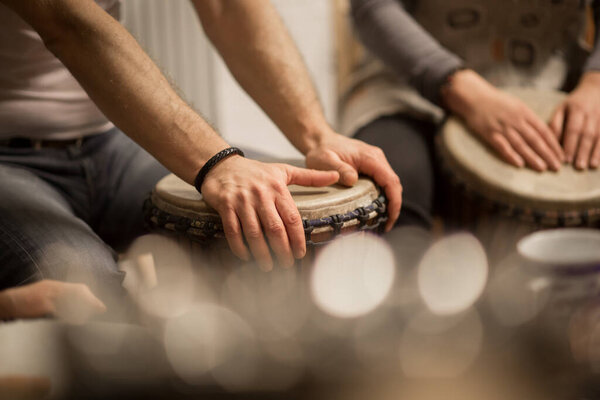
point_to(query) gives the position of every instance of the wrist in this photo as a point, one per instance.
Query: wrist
(213, 162)
(313, 138)
(591, 79)
(464, 91)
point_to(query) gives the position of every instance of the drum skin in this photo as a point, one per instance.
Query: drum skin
(568, 197)
(175, 201)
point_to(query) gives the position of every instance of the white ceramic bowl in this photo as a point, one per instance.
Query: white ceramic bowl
(572, 250)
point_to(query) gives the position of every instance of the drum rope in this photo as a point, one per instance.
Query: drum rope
(369, 218)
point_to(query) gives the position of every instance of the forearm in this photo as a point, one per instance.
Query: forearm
(392, 34)
(122, 80)
(261, 55)
(593, 62)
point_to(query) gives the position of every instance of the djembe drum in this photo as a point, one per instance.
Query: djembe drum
(501, 203)
(176, 207)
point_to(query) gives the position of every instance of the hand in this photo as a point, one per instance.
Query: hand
(577, 122)
(72, 302)
(251, 196)
(349, 157)
(504, 122)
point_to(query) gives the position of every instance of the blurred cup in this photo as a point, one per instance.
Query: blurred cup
(568, 259)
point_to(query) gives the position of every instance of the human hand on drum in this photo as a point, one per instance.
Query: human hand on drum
(253, 201)
(577, 122)
(506, 123)
(350, 157)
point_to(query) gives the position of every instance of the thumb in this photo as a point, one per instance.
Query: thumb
(310, 177)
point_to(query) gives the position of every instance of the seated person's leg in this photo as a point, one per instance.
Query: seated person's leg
(41, 238)
(129, 174)
(407, 144)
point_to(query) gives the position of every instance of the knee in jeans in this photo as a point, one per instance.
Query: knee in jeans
(92, 263)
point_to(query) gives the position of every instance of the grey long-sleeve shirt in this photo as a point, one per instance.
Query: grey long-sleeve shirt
(391, 33)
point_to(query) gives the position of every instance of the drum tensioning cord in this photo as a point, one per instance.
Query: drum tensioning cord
(155, 217)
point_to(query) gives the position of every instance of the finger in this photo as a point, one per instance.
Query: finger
(293, 224)
(557, 121)
(586, 142)
(521, 147)
(574, 125)
(233, 233)
(503, 147)
(310, 177)
(535, 140)
(276, 233)
(547, 135)
(385, 177)
(254, 236)
(595, 158)
(92, 300)
(331, 161)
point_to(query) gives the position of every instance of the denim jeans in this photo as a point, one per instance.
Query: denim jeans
(63, 211)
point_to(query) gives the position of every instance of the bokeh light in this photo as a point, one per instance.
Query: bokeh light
(453, 274)
(210, 342)
(352, 275)
(159, 275)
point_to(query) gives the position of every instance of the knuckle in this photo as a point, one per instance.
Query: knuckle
(588, 135)
(232, 229)
(293, 218)
(254, 232)
(275, 227)
(278, 186)
(240, 197)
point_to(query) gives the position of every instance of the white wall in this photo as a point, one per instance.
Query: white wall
(171, 34)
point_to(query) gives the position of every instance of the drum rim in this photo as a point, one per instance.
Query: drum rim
(545, 213)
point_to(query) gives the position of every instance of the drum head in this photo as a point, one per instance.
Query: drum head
(173, 194)
(477, 166)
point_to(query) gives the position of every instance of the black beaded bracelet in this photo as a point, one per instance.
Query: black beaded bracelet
(214, 160)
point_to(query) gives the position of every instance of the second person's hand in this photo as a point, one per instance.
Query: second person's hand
(507, 124)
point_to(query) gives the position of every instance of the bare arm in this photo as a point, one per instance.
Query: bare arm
(260, 53)
(122, 80)
(131, 91)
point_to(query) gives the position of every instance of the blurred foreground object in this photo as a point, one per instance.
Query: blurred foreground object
(70, 302)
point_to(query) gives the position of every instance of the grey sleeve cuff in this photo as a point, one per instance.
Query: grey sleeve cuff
(593, 62)
(391, 34)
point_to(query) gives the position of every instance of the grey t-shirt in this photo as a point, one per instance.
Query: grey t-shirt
(39, 98)
(419, 42)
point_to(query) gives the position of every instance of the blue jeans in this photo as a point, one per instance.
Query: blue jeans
(64, 210)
